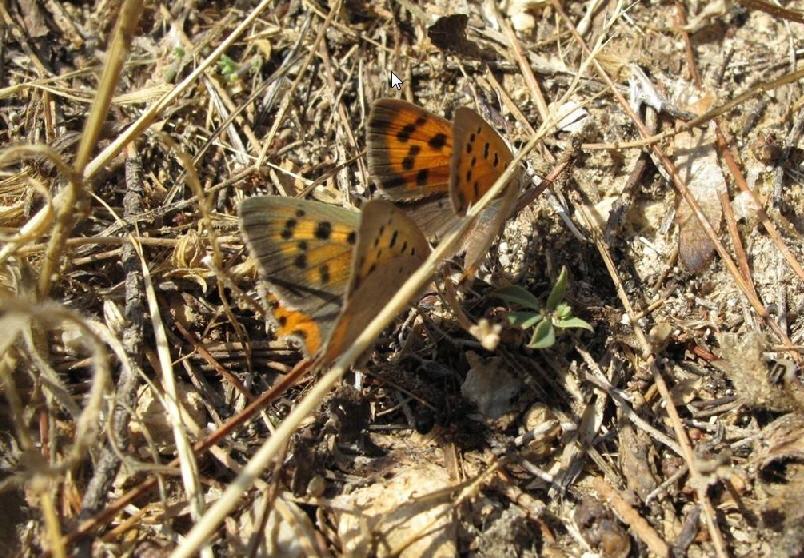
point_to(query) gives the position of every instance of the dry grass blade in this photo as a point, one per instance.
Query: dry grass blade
(74, 191)
(187, 462)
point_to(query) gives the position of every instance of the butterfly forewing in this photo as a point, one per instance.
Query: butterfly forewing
(390, 247)
(479, 157)
(408, 150)
(304, 252)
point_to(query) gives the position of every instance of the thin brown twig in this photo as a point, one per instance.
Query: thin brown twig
(527, 72)
(649, 141)
(630, 516)
(105, 516)
(690, 199)
(770, 227)
(681, 435)
(220, 369)
(129, 379)
(693, 68)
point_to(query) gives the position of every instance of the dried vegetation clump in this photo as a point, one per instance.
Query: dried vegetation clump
(141, 409)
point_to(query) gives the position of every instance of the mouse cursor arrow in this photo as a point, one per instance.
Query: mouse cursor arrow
(395, 81)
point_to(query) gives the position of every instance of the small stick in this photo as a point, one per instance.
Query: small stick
(629, 515)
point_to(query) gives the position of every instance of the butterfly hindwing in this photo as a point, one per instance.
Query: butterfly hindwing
(478, 159)
(296, 325)
(408, 150)
(390, 247)
(304, 252)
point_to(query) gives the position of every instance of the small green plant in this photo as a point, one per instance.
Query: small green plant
(228, 67)
(544, 319)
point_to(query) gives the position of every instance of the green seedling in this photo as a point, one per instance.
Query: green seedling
(228, 67)
(543, 318)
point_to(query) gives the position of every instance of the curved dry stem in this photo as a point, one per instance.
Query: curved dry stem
(18, 318)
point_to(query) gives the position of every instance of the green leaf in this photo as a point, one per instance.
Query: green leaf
(518, 295)
(563, 311)
(524, 319)
(543, 336)
(573, 322)
(227, 65)
(558, 292)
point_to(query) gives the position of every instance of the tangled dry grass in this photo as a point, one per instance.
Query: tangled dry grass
(149, 412)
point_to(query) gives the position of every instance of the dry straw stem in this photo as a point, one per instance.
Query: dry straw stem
(206, 221)
(280, 114)
(738, 177)
(650, 140)
(184, 449)
(76, 188)
(696, 479)
(41, 219)
(51, 520)
(229, 499)
(640, 527)
(19, 317)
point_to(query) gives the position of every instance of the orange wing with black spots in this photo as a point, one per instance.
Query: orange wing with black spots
(296, 325)
(479, 157)
(304, 251)
(408, 150)
(390, 247)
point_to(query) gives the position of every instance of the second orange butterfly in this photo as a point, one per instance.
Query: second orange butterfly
(435, 169)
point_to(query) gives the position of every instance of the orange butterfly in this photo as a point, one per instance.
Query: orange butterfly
(330, 269)
(435, 169)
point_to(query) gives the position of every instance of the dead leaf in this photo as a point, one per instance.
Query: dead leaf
(288, 530)
(782, 439)
(448, 34)
(696, 159)
(489, 385)
(399, 515)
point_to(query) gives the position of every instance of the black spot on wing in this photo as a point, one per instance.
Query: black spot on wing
(394, 181)
(404, 134)
(437, 141)
(323, 230)
(287, 232)
(410, 159)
